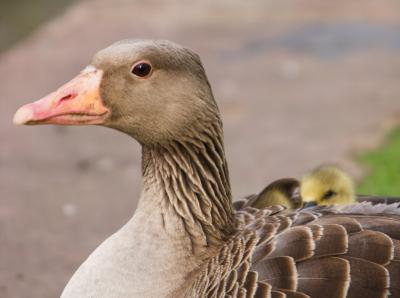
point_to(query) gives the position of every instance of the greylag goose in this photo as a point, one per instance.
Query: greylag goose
(185, 239)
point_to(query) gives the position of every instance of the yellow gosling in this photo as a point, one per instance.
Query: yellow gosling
(327, 185)
(283, 192)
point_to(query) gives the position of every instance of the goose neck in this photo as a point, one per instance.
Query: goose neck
(188, 182)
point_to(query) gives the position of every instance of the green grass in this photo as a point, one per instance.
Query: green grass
(383, 165)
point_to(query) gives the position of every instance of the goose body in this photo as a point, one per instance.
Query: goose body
(134, 262)
(185, 239)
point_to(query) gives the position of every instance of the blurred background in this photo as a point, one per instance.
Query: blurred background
(299, 83)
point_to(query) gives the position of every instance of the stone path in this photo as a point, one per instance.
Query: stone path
(299, 83)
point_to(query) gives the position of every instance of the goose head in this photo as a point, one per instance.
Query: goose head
(327, 185)
(154, 91)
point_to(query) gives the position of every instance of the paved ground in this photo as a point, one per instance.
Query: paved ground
(299, 83)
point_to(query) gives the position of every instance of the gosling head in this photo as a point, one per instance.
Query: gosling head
(154, 91)
(283, 192)
(327, 185)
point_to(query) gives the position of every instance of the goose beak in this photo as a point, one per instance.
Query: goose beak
(78, 102)
(309, 204)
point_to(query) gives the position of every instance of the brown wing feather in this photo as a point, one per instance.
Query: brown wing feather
(263, 251)
(350, 224)
(320, 252)
(333, 241)
(388, 226)
(263, 290)
(317, 277)
(278, 294)
(297, 242)
(396, 249)
(394, 273)
(368, 279)
(279, 272)
(373, 246)
(304, 217)
(293, 294)
(251, 283)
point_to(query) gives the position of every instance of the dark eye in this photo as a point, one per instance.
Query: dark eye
(329, 194)
(141, 69)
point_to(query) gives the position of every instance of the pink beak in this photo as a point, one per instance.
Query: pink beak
(78, 102)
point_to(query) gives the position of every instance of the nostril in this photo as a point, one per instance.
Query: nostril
(67, 97)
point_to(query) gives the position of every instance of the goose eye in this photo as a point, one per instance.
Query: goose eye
(141, 69)
(329, 194)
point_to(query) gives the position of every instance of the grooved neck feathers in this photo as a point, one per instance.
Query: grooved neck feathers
(192, 177)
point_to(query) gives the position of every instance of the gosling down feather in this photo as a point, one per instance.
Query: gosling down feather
(330, 185)
(285, 192)
(327, 185)
(185, 239)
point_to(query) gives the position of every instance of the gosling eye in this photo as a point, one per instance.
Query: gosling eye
(329, 194)
(141, 69)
